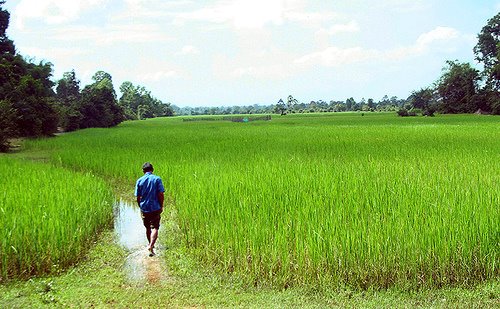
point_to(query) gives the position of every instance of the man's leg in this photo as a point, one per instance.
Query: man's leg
(154, 237)
(148, 234)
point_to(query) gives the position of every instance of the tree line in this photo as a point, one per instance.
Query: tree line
(294, 106)
(462, 88)
(32, 105)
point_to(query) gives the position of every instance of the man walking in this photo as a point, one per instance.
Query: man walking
(149, 191)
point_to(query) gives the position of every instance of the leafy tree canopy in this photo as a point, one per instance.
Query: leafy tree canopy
(487, 51)
(457, 87)
(138, 103)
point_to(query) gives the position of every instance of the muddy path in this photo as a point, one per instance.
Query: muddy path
(138, 266)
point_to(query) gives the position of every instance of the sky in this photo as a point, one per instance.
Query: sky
(245, 52)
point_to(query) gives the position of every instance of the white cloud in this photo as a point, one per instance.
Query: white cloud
(436, 35)
(241, 13)
(60, 52)
(157, 75)
(188, 50)
(270, 63)
(439, 39)
(132, 33)
(252, 14)
(256, 63)
(349, 27)
(335, 56)
(406, 6)
(148, 9)
(52, 11)
(310, 17)
(443, 39)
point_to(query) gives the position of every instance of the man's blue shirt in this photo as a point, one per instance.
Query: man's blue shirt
(148, 187)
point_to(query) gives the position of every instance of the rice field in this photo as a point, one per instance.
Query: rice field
(366, 201)
(48, 217)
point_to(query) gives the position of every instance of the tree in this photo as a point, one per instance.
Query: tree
(68, 88)
(350, 104)
(29, 90)
(280, 108)
(7, 124)
(138, 103)
(423, 99)
(102, 79)
(68, 98)
(487, 51)
(457, 88)
(371, 104)
(6, 45)
(290, 103)
(98, 104)
(25, 91)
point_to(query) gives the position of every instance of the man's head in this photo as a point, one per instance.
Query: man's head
(147, 167)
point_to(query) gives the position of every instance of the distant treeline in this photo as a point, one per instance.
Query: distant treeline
(461, 89)
(294, 106)
(232, 118)
(31, 104)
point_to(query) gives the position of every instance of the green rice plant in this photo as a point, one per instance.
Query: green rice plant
(49, 216)
(373, 201)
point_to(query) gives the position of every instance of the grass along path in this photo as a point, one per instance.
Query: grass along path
(102, 280)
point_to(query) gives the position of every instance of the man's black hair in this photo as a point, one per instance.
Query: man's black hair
(147, 167)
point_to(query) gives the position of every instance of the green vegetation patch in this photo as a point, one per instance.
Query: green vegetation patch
(49, 216)
(374, 201)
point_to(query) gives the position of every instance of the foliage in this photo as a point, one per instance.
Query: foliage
(138, 103)
(94, 106)
(99, 107)
(368, 201)
(423, 99)
(7, 126)
(69, 99)
(25, 92)
(49, 216)
(100, 282)
(32, 108)
(280, 108)
(487, 51)
(297, 107)
(28, 88)
(6, 45)
(457, 87)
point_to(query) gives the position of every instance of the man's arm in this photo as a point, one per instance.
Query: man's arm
(161, 198)
(137, 193)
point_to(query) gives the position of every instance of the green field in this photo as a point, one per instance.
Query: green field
(49, 216)
(363, 201)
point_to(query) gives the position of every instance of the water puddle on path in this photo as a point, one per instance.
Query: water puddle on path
(131, 234)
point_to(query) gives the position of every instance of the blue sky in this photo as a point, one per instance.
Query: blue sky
(244, 52)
